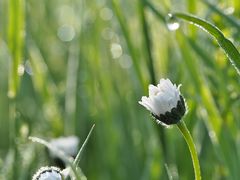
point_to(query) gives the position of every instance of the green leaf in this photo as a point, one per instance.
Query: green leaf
(228, 47)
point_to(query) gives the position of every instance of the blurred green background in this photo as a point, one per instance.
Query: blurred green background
(66, 65)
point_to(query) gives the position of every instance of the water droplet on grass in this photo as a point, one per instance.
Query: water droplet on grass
(107, 33)
(11, 94)
(106, 14)
(66, 33)
(172, 22)
(116, 50)
(28, 68)
(20, 69)
(125, 61)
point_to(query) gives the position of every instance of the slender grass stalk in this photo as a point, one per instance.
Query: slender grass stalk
(71, 90)
(200, 83)
(147, 41)
(12, 134)
(12, 123)
(230, 19)
(188, 138)
(150, 62)
(45, 87)
(155, 11)
(15, 42)
(78, 157)
(72, 73)
(168, 172)
(126, 34)
(15, 30)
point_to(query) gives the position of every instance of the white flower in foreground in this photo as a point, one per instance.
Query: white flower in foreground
(48, 173)
(165, 102)
(68, 145)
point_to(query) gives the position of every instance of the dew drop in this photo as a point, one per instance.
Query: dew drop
(28, 68)
(172, 22)
(106, 14)
(66, 33)
(125, 61)
(20, 69)
(11, 94)
(116, 50)
(229, 10)
(212, 135)
(24, 130)
(107, 33)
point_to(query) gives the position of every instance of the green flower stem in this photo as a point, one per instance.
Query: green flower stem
(187, 136)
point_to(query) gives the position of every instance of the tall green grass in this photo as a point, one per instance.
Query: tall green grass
(89, 62)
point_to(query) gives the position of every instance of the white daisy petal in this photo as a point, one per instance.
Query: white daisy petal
(153, 90)
(146, 103)
(68, 145)
(162, 98)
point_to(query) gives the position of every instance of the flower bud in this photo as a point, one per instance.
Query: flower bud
(69, 145)
(48, 173)
(165, 102)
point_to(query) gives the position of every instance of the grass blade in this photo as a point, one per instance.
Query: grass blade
(228, 47)
(15, 42)
(16, 32)
(71, 89)
(122, 22)
(147, 41)
(155, 11)
(78, 157)
(150, 63)
(214, 125)
(231, 20)
(45, 86)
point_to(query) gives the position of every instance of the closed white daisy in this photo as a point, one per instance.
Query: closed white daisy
(165, 102)
(68, 145)
(48, 173)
